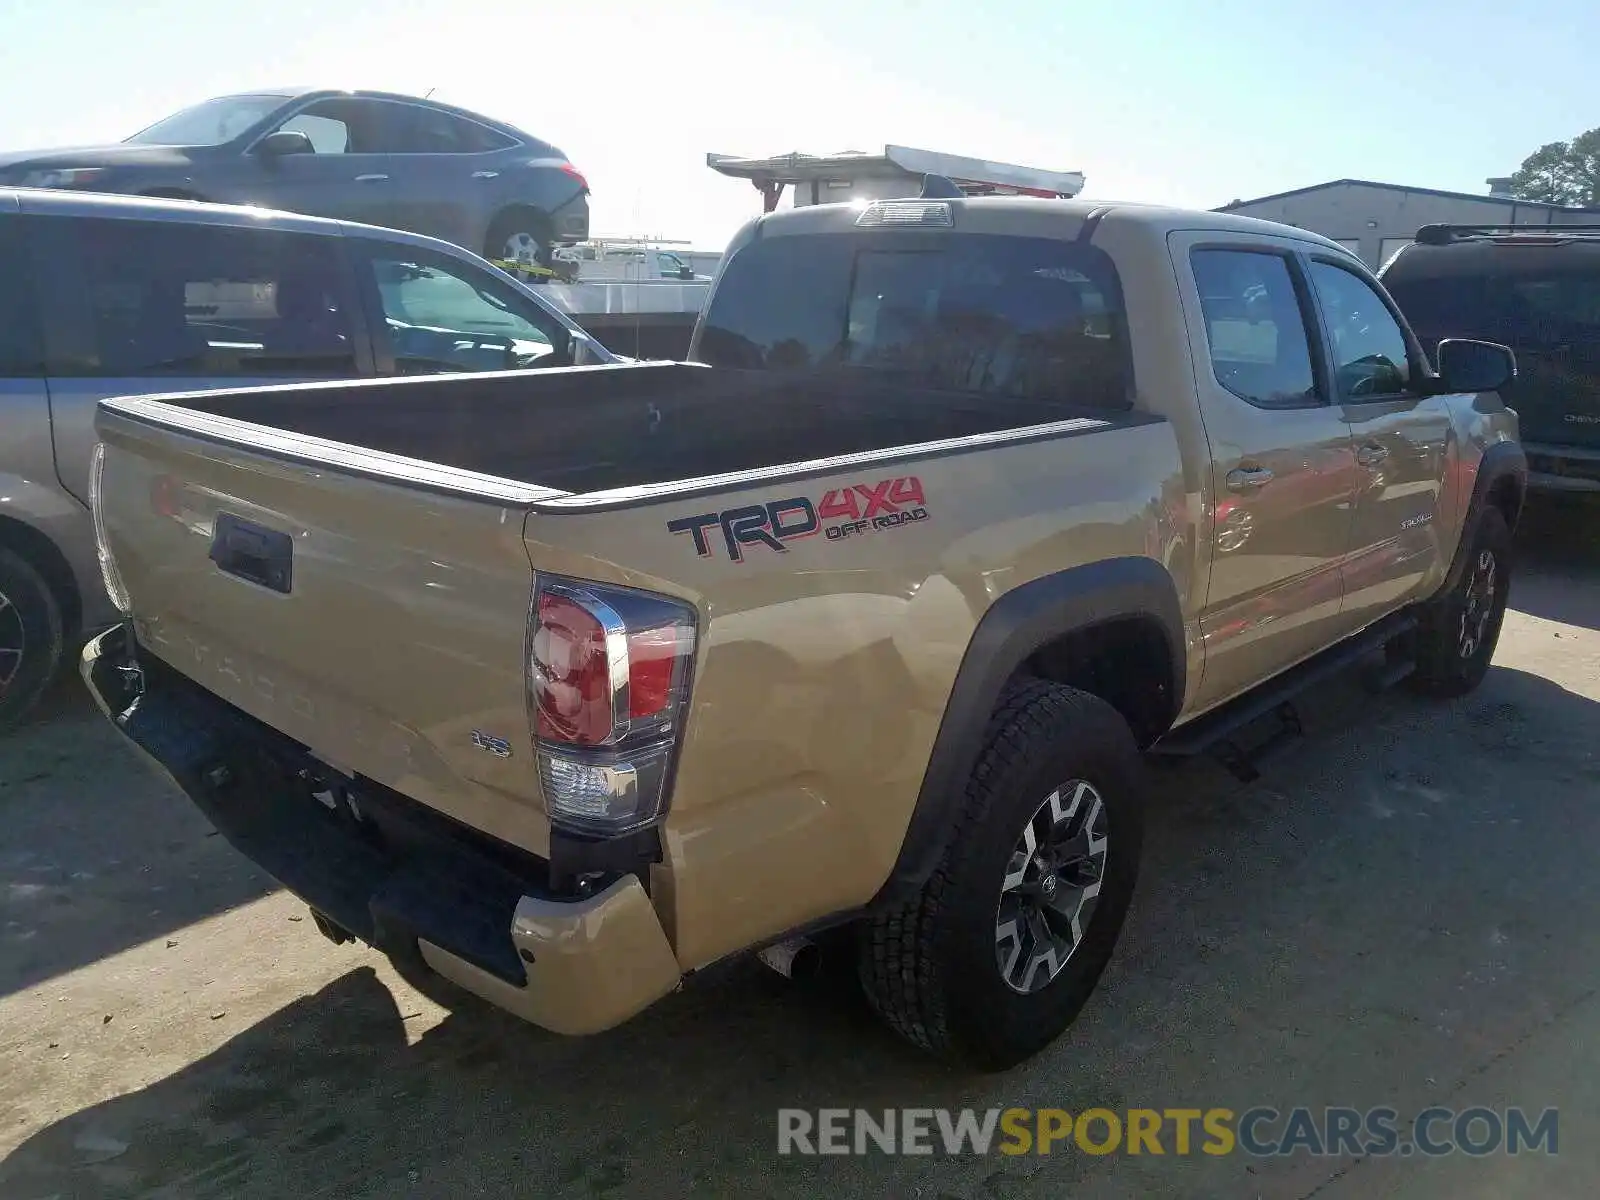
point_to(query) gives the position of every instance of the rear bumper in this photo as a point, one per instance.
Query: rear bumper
(1555, 468)
(423, 889)
(571, 220)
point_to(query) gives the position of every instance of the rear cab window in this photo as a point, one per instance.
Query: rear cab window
(1525, 296)
(986, 314)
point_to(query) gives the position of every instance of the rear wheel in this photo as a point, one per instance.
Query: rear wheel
(1458, 631)
(1002, 948)
(31, 637)
(521, 238)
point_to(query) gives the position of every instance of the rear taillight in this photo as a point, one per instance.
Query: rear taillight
(608, 684)
(576, 174)
(109, 575)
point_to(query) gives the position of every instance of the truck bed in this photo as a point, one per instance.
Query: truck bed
(607, 428)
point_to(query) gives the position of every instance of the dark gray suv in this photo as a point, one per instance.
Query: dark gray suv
(372, 157)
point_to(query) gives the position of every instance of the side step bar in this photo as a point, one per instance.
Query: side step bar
(1215, 733)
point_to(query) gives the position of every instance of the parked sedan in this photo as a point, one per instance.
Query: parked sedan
(373, 157)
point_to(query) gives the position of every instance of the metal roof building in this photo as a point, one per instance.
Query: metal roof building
(1376, 219)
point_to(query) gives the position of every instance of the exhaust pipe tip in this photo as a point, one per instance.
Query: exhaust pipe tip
(330, 929)
(798, 958)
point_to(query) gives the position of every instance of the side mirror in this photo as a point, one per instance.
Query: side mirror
(685, 272)
(284, 142)
(1472, 366)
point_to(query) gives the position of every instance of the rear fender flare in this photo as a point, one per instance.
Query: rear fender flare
(1020, 622)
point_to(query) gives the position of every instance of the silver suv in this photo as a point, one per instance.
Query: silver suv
(107, 296)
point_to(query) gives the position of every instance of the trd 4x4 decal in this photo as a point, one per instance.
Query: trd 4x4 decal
(842, 512)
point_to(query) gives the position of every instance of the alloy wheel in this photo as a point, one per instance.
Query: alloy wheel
(1051, 887)
(13, 641)
(1479, 608)
(522, 249)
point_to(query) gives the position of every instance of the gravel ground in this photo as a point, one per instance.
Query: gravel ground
(1403, 911)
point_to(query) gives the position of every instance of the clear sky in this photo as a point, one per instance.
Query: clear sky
(1170, 100)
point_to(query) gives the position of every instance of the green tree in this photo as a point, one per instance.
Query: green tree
(1562, 172)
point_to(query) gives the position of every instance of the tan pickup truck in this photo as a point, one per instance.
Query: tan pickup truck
(564, 687)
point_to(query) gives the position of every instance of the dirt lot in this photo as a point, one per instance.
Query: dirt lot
(1403, 911)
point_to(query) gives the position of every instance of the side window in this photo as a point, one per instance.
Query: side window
(1369, 349)
(329, 133)
(344, 125)
(418, 129)
(1554, 308)
(433, 131)
(444, 315)
(20, 354)
(480, 139)
(408, 129)
(160, 298)
(1255, 327)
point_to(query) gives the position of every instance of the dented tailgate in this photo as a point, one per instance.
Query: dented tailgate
(379, 623)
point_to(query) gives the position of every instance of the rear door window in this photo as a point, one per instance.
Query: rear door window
(1031, 318)
(1256, 327)
(163, 298)
(417, 129)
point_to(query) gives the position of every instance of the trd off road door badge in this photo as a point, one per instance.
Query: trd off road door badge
(851, 511)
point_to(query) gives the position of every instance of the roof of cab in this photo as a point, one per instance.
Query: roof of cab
(987, 212)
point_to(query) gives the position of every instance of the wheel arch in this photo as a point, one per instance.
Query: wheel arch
(515, 211)
(1068, 627)
(44, 556)
(1502, 482)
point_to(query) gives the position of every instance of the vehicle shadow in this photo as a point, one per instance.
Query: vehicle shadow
(1558, 568)
(99, 851)
(1288, 946)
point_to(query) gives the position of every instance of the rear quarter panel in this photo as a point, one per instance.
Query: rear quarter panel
(824, 668)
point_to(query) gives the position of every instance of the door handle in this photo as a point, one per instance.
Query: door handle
(1371, 455)
(372, 178)
(1248, 479)
(486, 174)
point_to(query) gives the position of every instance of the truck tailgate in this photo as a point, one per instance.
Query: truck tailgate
(379, 623)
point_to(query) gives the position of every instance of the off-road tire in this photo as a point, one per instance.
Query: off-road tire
(27, 599)
(1441, 668)
(930, 968)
